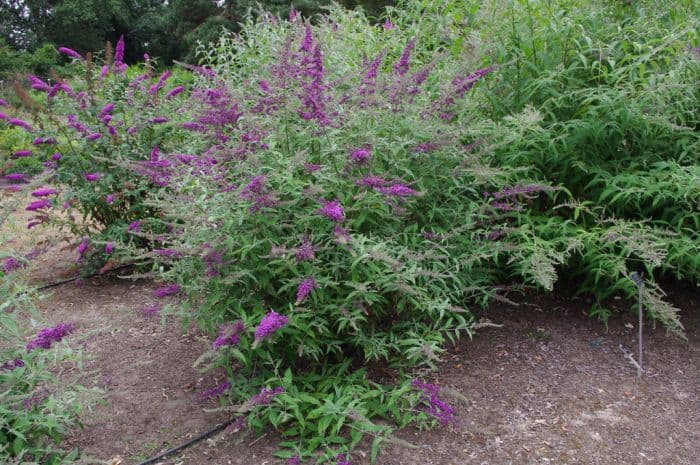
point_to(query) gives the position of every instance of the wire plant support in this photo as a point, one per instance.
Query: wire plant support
(639, 281)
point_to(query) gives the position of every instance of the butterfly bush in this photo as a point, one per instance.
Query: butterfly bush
(331, 217)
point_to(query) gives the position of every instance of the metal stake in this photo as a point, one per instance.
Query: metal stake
(637, 278)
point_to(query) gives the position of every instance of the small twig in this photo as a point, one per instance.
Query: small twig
(630, 358)
(257, 439)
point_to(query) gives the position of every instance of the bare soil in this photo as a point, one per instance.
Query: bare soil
(548, 386)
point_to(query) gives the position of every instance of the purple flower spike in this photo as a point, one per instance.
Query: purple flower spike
(360, 156)
(22, 154)
(119, 50)
(229, 335)
(93, 136)
(175, 91)
(265, 396)
(11, 264)
(20, 123)
(401, 68)
(397, 190)
(16, 177)
(269, 325)
(70, 52)
(92, 177)
(436, 407)
(48, 336)
(134, 226)
(216, 391)
(305, 288)
(56, 156)
(333, 211)
(110, 199)
(38, 205)
(166, 291)
(109, 248)
(388, 25)
(44, 192)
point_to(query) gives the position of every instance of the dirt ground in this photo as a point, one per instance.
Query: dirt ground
(548, 386)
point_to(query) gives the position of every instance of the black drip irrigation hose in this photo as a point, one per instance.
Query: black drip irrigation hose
(192, 441)
(75, 278)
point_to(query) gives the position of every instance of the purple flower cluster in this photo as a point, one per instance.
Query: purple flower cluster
(216, 391)
(168, 253)
(265, 396)
(134, 226)
(70, 52)
(360, 156)
(342, 460)
(12, 364)
(213, 261)
(269, 324)
(229, 335)
(38, 205)
(436, 407)
(401, 68)
(48, 336)
(332, 210)
(306, 251)
(21, 124)
(517, 190)
(170, 289)
(11, 264)
(16, 177)
(83, 247)
(22, 154)
(306, 286)
(44, 192)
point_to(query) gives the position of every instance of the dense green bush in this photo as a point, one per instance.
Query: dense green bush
(335, 198)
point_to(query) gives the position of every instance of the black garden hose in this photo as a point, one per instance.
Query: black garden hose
(70, 280)
(192, 441)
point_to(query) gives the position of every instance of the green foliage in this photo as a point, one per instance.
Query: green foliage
(36, 409)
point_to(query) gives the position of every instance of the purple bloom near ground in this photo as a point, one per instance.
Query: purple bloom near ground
(11, 264)
(134, 226)
(110, 199)
(342, 460)
(109, 247)
(265, 396)
(12, 364)
(16, 177)
(44, 192)
(38, 205)
(48, 336)
(22, 154)
(92, 177)
(216, 391)
(93, 136)
(166, 291)
(294, 460)
(269, 324)
(436, 407)
(229, 335)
